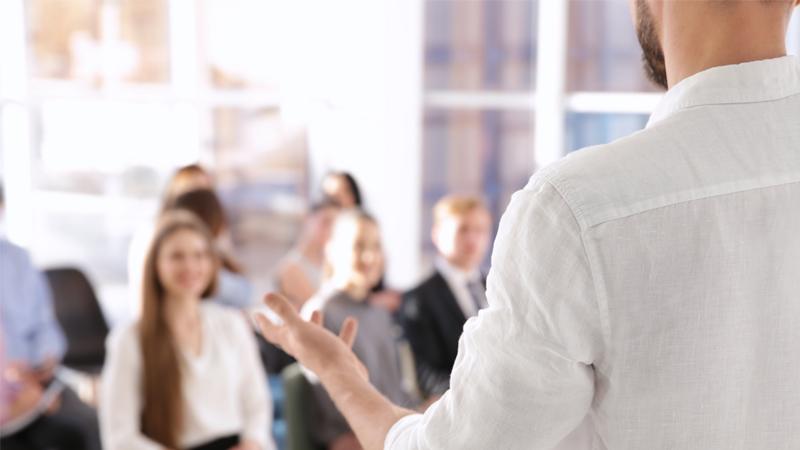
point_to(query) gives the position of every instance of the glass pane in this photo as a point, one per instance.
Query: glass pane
(64, 38)
(487, 153)
(584, 129)
(480, 44)
(93, 40)
(101, 147)
(261, 169)
(603, 52)
(243, 43)
(144, 35)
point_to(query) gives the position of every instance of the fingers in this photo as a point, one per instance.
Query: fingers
(316, 317)
(269, 330)
(349, 331)
(282, 307)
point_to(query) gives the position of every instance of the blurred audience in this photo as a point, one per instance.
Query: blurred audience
(301, 270)
(342, 188)
(355, 261)
(433, 313)
(38, 411)
(233, 288)
(186, 375)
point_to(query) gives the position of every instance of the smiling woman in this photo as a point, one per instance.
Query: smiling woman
(191, 370)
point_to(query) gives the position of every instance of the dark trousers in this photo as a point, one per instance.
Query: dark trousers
(225, 443)
(73, 427)
(46, 433)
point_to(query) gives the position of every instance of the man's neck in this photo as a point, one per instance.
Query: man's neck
(702, 35)
(455, 267)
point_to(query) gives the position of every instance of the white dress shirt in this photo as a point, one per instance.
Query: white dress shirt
(458, 280)
(652, 284)
(224, 388)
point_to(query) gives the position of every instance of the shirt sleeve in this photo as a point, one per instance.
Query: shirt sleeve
(49, 339)
(523, 377)
(30, 327)
(121, 403)
(255, 395)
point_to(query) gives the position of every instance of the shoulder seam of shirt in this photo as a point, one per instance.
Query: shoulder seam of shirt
(720, 190)
(602, 312)
(686, 106)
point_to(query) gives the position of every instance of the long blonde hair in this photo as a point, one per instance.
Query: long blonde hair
(163, 414)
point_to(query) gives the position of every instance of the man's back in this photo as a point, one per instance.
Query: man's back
(646, 290)
(691, 232)
(650, 284)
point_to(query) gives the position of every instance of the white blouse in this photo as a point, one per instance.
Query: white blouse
(648, 288)
(224, 388)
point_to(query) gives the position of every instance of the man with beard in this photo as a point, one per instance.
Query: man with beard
(646, 288)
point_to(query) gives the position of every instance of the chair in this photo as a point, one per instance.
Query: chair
(81, 318)
(297, 392)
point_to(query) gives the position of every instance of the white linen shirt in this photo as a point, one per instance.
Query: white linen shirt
(652, 283)
(224, 388)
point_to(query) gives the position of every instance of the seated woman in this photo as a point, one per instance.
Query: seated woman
(299, 274)
(355, 259)
(186, 375)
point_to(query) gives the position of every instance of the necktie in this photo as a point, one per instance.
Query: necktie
(478, 294)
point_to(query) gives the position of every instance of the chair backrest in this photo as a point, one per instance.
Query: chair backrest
(297, 391)
(81, 318)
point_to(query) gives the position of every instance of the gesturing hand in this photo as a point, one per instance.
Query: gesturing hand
(312, 345)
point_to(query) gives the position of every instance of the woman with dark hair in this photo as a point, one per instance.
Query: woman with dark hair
(234, 289)
(186, 375)
(342, 188)
(299, 274)
(185, 179)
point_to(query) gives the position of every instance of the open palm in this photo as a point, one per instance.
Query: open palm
(313, 346)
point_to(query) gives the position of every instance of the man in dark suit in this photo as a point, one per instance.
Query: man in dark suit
(433, 314)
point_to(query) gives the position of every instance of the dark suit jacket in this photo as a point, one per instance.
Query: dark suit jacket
(432, 322)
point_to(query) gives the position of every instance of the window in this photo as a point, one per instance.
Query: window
(116, 95)
(475, 152)
(480, 65)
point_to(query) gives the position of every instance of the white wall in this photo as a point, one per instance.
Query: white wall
(364, 58)
(15, 127)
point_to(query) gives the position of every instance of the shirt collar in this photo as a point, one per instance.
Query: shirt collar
(455, 274)
(750, 82)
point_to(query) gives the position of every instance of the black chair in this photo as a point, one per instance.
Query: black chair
(81, 318)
